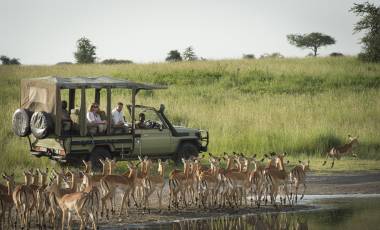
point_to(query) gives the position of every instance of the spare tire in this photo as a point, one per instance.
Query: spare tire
(20, 122)
(41, 124)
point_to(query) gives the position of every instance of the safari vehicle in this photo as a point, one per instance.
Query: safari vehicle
(39, 119)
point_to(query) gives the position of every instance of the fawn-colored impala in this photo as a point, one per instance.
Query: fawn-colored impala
(155, 183)
(42, 197)
(113, 184)
(298, 176)
(178, 184)
(23, 198)
(78, 202)
(6, 201)
(339, 152)
(276, 177)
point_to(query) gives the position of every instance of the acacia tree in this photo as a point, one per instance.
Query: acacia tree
(311, 41)
(174, 55)
(370, 23)
(189, 54)
(85, 51)
(9, 61)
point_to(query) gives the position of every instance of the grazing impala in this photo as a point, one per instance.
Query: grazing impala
(298, 176)
(6, 201)
(338, 152)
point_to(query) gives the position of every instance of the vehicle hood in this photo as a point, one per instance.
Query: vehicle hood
(183, 130)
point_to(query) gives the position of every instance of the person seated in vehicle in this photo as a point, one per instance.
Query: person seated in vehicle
(141, 122)
(66, 120)
(118, 123)
(94, 120)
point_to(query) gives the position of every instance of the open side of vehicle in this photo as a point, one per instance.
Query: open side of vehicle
(40, 119)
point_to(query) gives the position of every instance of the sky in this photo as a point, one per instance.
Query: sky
(144, 31)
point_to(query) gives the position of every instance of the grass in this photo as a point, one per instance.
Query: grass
(301, 106)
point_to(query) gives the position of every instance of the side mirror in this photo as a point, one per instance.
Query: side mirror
(162, 108)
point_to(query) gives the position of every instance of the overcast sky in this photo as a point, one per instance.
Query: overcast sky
(46, 31)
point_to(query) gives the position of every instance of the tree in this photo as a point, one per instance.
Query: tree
(85, 51)
(248, 56)
(174, 55)
(9, 61)
(189, 54)
(312, 41)
(370, 23)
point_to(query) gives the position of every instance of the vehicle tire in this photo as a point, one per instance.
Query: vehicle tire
(21, 122)
(97, 154)
(41, 124)
(186, 150)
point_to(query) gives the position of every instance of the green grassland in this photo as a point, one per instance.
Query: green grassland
(301, 106)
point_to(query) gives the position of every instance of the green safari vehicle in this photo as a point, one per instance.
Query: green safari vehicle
(40, 120)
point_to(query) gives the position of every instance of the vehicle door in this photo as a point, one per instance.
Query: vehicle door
(155, 137)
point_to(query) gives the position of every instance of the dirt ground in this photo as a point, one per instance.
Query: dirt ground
(317, 184)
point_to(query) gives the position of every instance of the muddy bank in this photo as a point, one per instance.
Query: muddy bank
(343, 183)
(317, 184)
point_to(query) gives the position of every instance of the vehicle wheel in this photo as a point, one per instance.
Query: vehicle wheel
(185, 150)
(21, 122)
(99, 153)
(40, 124)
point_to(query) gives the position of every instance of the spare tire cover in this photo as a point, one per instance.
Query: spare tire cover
(40, 124)
(20, 122)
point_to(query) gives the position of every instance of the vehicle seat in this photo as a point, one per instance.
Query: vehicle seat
(102, 115)
(74, 116)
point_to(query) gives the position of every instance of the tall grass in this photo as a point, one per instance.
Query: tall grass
(302, 106)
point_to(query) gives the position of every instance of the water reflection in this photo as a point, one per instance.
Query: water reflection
(347, 214)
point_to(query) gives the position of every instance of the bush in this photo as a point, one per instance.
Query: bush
(64, 63)
(272, 55)
(248, 56)
(116, 61)
(336, 54)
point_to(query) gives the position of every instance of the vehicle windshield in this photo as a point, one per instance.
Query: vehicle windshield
(148, 118)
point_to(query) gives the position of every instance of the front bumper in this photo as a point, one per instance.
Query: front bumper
(204, 138)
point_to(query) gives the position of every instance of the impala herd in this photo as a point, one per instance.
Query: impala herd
(55, 196)
(228, 182)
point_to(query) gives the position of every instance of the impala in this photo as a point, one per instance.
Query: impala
(155, 183)
(6, 200)
(42, 197)
(78, 202)
(178, 184)
(338, 152)
(276, 177)
(23, 198)
(256, 179)
(93, 194)
(112, 184)
(298, 176)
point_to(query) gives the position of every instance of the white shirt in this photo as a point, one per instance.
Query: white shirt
(117, 116)
(93, 117)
